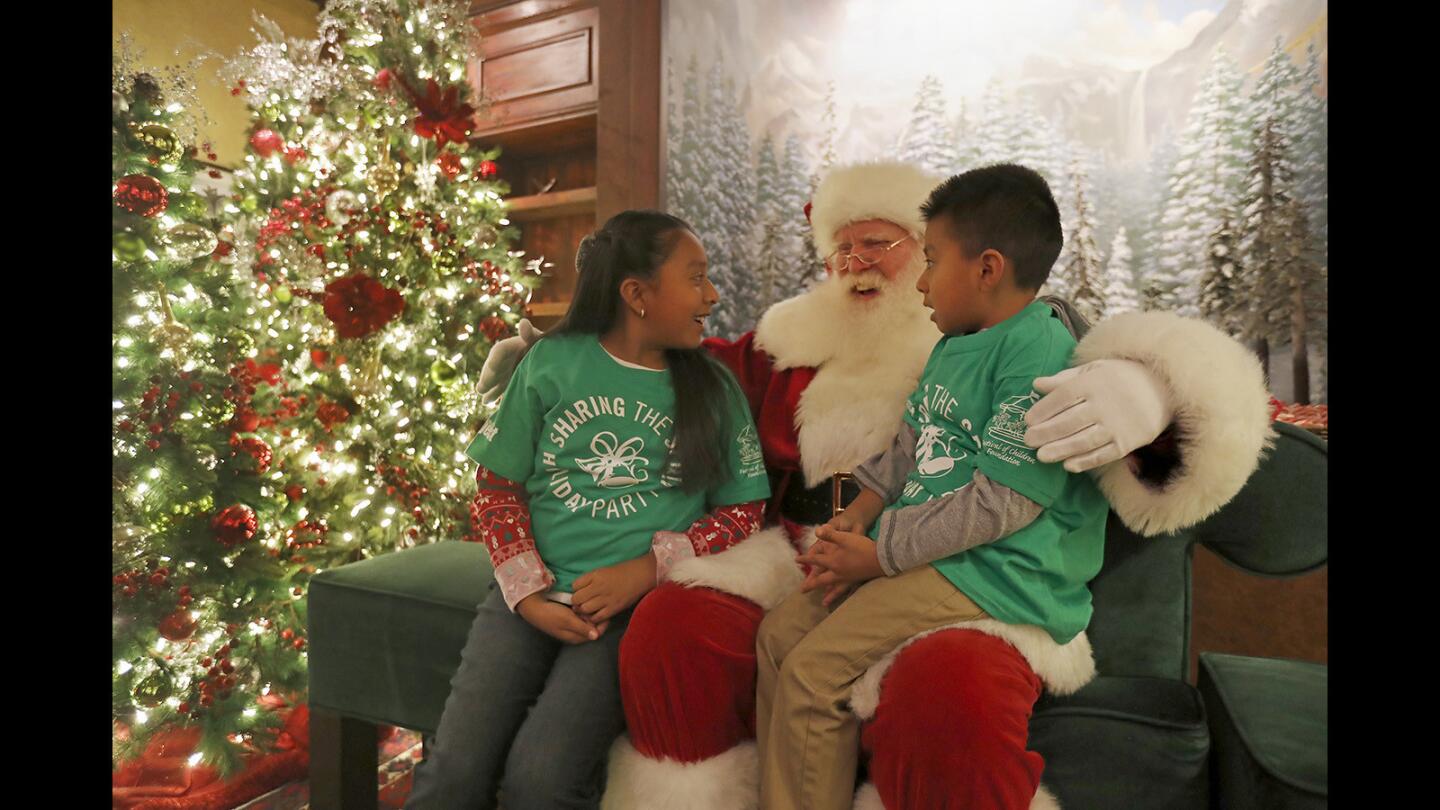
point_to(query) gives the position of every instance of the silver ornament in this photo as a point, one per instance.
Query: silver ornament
(339, 205)
(188, 241)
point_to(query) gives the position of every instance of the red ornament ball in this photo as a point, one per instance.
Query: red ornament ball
(234, 525)
(449, 163)
(494, 328)
(487, 169)
(383, 78)
(266, 142)
(257, 450)
(331, 414)
(178, 626)
(141, 194)
(359, 305)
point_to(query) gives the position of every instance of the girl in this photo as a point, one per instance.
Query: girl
(616, 429)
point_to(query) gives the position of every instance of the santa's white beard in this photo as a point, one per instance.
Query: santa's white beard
(877, 320)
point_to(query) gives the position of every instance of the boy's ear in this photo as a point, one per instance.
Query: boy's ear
(992, 268)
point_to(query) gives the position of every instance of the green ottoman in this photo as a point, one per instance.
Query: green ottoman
(1269, 719)
(385, 637)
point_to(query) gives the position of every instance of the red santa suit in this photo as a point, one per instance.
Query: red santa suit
(826, 399)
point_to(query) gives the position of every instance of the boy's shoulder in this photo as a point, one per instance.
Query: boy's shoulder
(1039, 344)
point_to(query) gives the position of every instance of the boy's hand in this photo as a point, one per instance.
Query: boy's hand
(845, 557)
(558, 621)
(604, 592)
(844, 522)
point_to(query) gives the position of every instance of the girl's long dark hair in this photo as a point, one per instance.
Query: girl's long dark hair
(633, 244)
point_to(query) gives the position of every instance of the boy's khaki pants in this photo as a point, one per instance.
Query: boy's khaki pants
(810, 655)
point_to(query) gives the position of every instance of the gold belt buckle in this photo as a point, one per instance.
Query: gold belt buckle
(837, 483)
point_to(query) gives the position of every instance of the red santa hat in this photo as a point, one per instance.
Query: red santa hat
(887, 190)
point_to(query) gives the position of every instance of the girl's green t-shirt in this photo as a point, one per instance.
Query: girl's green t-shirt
(590, 440)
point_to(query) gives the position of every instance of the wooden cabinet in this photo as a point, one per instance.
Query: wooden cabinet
(572, 95)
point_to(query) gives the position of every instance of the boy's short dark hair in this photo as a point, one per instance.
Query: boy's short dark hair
(1006, 207)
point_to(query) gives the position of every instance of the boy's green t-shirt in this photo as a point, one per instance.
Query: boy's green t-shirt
(589, 438)
(968, 411)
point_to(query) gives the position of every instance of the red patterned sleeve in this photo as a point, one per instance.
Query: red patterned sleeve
(503, 520)
(717, 531)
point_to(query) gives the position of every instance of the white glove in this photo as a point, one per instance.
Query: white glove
(503, 358)
(1094, 414)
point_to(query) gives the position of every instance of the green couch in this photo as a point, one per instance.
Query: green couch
(386, 633)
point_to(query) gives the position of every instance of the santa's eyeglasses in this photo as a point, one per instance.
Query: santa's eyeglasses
(867, 256)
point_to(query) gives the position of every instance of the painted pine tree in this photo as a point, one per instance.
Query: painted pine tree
(1120, 294)
(796, 245)
(1285, 288)
(1082, 271)
(1221, 299)
(1205, 184)
(927, 140)
(995, 131)
(1313, 154)
(967, 147)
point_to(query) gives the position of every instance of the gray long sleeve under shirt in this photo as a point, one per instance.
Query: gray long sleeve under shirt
(980, 512)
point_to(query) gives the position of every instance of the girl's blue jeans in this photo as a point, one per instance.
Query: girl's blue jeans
(529, 718)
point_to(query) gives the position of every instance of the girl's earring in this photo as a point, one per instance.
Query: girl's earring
(642, 312)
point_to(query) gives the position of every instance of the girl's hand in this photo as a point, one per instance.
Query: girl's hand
(843, 556)
(558, 621)
(604, 592)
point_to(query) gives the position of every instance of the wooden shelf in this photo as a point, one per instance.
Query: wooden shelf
(551, 204)
(547, 309)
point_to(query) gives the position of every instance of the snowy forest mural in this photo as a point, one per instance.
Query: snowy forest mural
(1184, 140)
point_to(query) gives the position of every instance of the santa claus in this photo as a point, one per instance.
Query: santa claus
(1168, 413)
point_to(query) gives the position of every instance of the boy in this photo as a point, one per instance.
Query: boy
(975, 526)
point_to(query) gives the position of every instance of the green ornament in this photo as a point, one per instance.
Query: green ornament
(188, 241)
(187, 206)
(153, 689)
(443, 373)
(282, 295)
(219, 410)
(249, 205)
(241, 340)
(129, 247)
(159, 140)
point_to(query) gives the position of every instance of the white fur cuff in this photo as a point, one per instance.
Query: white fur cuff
(760, 568)
(729, 781)
(1222, 416)
(1062, 668)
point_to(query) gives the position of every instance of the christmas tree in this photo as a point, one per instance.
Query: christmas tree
(374, 272)
(193, 595)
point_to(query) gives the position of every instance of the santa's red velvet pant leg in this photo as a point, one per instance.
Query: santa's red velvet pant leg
(951, 726)
(687, 678)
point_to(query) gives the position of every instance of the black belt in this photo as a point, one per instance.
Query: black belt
(816, 505)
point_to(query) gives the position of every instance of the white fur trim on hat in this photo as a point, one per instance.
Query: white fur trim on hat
(1222, 416)
(1062, 668)
(887, 190)
(727, 781)
(868, 798)
(760, 568)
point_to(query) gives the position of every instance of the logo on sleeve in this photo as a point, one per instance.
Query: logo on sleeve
(752, 459)
(1007, 428)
